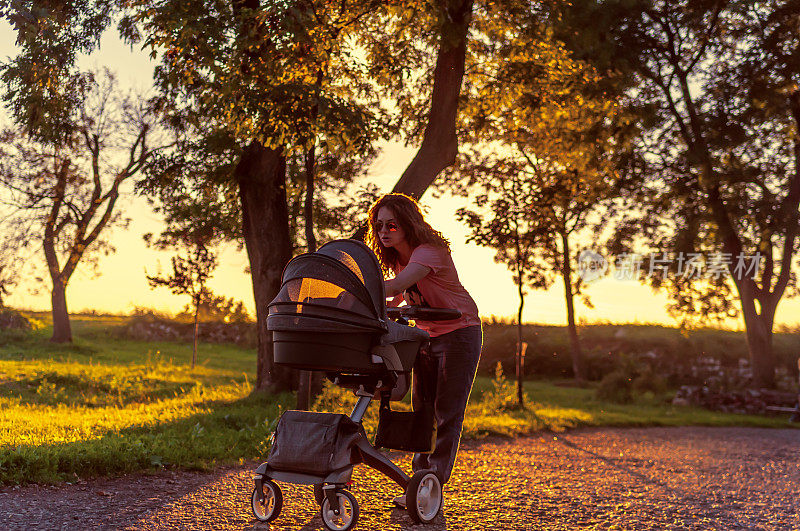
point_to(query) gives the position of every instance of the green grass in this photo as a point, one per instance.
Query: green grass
(558, 407)
(107, 406)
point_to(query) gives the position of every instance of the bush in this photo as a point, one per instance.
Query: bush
(14, 327)
(503, 394)
(674, 355)
(13, 320)
(616, 387)
(151, 326)
(648, 382)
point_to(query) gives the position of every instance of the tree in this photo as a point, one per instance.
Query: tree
(264, 82)
(247, 72)
(189, 276)
(397, 49)
(439, 144)
(546, 141)
(721, 81)
(6, 282)
(43, 89)
(515, 233)
(11, 260)
(67, 192)
(283, 115)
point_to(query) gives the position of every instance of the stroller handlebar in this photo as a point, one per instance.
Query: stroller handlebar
(423, 313)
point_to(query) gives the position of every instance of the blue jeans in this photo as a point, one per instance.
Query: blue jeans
(443, 377)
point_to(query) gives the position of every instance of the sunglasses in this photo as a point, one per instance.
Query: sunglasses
(390, 226)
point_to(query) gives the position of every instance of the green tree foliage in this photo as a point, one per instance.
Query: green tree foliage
(719, 81)
(546, 141)
(43, 90)
(255, 88)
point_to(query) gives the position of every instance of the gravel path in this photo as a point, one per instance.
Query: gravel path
(650, 478)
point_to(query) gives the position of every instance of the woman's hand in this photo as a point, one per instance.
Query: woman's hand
(395, 302)
(407, 277)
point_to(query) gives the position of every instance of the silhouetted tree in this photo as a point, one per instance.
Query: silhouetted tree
(67, 192)
(508, 224)
(720, 82)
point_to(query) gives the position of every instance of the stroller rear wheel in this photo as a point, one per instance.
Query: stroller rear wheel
(424, 496)
(267, 507)
(348, 512)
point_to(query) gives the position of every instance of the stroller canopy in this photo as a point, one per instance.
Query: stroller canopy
(339, 288)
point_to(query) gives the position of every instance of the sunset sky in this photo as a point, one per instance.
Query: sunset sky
(122, 285)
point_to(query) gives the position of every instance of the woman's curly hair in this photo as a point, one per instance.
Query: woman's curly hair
(409, 217)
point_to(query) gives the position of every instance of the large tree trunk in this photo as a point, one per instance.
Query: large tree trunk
(758, 327)
(196, 331)
(261, 175)
(762, 356)
(304, 378)
(62, 332)
(520, 345)
(439, 144)
(575, 344)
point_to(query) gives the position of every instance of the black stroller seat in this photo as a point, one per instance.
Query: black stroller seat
(330, 315)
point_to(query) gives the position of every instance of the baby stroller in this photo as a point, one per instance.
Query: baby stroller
(330, 315)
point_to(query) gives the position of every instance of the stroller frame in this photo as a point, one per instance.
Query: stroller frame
(368, 454)
(330, 316)
(423, 489)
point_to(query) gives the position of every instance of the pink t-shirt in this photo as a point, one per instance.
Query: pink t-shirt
(440, 289)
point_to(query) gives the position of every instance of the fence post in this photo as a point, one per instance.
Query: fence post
(520, 365)
(796, 415)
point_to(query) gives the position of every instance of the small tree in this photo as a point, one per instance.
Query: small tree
(4, 285)
(10, 261)
(515, 235)
(189, 276)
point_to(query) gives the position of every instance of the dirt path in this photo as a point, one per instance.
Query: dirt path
(653, 478)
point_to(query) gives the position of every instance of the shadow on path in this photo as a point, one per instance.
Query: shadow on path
(615, 462)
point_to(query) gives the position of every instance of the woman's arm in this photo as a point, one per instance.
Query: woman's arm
(407, 277)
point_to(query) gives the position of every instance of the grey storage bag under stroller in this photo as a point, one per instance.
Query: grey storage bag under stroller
(313, 443)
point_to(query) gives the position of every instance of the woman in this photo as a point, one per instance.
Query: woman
(423, 272)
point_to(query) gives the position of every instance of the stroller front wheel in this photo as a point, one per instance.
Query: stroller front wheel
(424, 496)
(267, 507)
(348, 512)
